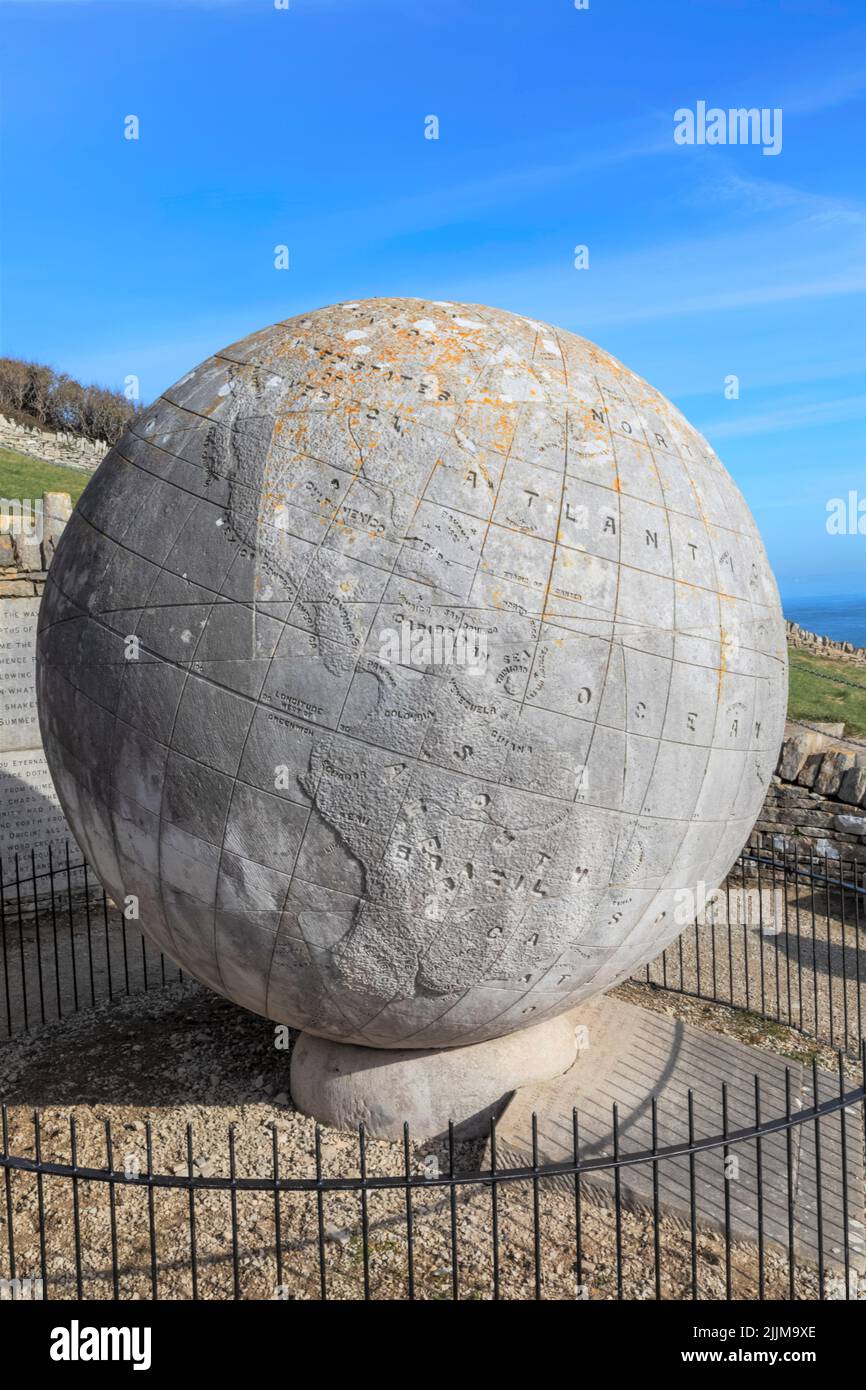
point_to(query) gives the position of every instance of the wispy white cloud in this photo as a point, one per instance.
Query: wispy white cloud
(789, 417)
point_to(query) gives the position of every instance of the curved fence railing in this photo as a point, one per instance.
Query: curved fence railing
(752, 1191)
(590, 1227)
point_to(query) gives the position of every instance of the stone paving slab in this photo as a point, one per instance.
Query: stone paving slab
(634, 1054)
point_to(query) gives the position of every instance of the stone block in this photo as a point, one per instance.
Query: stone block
(28, 552)
(852, 788)
(834, 764)
(796, 747)
(850, 825)
(810, 769)
(56, 511)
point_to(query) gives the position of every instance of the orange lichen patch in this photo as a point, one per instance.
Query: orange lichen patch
(723, 641)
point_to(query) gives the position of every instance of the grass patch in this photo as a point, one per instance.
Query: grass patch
(822, 689)
(22, 476)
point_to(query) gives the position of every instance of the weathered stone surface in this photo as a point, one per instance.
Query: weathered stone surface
(834, 764)
(345, 1086)
(852, 787)
(405, 848)
(56, 511)
(28, 551)
(850, 825)
(796, 747)
(810, 769)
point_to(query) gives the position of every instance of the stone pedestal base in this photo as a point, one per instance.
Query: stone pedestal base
(341, 1085)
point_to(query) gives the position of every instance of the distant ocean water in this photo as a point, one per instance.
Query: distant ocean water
(841, 617)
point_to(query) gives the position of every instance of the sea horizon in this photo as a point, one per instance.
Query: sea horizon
(841, 617)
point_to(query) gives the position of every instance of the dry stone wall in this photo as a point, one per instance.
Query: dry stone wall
(68, 449)
(800, 639)
(817, 799)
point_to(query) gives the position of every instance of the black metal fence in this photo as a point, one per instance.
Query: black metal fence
(752, 1192)
(783, 939)
(65, 946)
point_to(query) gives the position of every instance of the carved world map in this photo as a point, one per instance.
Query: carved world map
(416, 850)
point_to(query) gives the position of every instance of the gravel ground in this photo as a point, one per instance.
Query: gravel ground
(182, 1057)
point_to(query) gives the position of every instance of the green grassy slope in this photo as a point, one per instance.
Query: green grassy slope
(822, 689)
(21, 476)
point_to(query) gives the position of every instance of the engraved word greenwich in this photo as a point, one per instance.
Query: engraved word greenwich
(375, 850)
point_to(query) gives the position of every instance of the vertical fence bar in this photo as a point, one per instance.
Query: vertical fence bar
(89, 936)
(578, 1233)
(365, 1222)
(494, 1208)
(71, 923)
(726, 1153)
(112, 1211)
(844, 956)
(54, 940)
(617, 1184)
(452, 1192)
(536, 1225)
(759, 1189)
(320, 1213)
(40, 1201)
(151, 1212)
(828, 916)
(107, 938)
(21, 953)
(819, 1212)
(76, 1211)
(193, 1245)
(37, 935)
(236, 1268)
(761, 940)
(693, 1212)
(657, 1253)
(843, 1151)
(7, 1177)
(410, 1215)
(857, 932)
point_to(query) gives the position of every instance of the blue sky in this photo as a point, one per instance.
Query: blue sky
(305, 126)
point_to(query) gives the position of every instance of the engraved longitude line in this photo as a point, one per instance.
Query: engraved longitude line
(556, 963)
(636, 816)
(513, 1003)
(614, 644)
(258, 704)
(113, 790)
(188, 673)
(443, 925)
(484, 826)
(412, 758)
(416, 759)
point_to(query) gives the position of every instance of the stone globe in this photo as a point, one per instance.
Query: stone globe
(413, 665)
